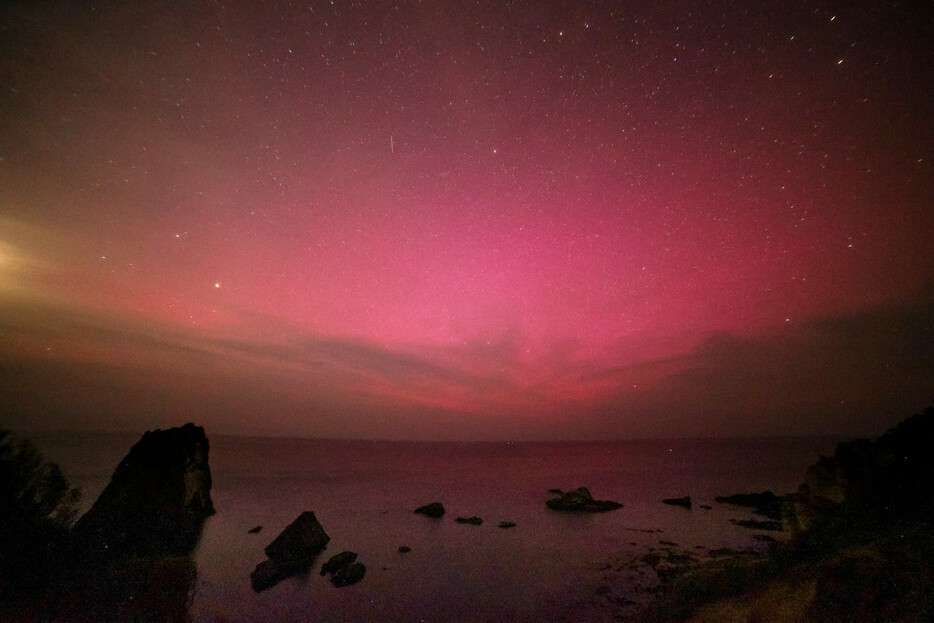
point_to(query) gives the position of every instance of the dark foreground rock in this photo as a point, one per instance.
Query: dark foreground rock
(685, 501)
(351, 574)
(129, 557)
(291, 553)
(433, 510)
(157, 499)
(580, 500)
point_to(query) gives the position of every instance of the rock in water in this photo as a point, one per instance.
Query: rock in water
(766, 503)
(157, 499)
(292, 552)
(338, 561)
(434, 510)
(351, 574)
(473, 521)
(685, 501)
(581, 501)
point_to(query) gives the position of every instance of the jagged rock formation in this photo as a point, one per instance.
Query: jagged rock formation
(291, 553)
(129, 555)
(580, 500)
(870, 484)
(157, 499)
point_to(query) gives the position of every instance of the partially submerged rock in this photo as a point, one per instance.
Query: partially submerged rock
(291, 553)
(685, 501)
(755, 524)
(338, 561)
(580, 500)
(473, 521)
(507, 524)
(404, 549)
(350, 574)
(766, 503)
(254, 530)
(433, 510)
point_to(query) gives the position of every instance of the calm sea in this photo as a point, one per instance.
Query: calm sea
(551, 567)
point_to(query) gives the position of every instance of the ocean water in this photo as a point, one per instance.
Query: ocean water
(551, 567)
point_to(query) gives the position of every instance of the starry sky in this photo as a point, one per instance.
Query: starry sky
(467, 220)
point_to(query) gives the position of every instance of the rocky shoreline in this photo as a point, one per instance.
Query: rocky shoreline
(861, 546)
(856, 542)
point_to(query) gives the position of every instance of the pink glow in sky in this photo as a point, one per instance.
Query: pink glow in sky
(466, 220)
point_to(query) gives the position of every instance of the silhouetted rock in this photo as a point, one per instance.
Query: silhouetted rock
(473, 521)
(130, 557)
(292, 552)
(254, 530)
(766, 503)
(581, 501)
(338, 561)
(351, 574)
(434, 510)
(157, 499)
(507, 524)
(685, 501)
(558, 491)
(404, 549)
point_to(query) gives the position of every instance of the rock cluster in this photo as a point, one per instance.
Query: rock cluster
(344, 569)
(291, 553)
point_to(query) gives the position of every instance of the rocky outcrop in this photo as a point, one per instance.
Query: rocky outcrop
(157, 499)
(861, 545)
(867, 485)
(684, 502)
(129, 556)
(580, 501)
(291, 553)
(433, 510)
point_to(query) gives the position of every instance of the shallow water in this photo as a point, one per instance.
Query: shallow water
(551, 566)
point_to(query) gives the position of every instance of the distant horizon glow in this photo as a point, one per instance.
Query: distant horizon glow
(452, 222)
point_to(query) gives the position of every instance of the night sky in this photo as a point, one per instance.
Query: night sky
(453, 220)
